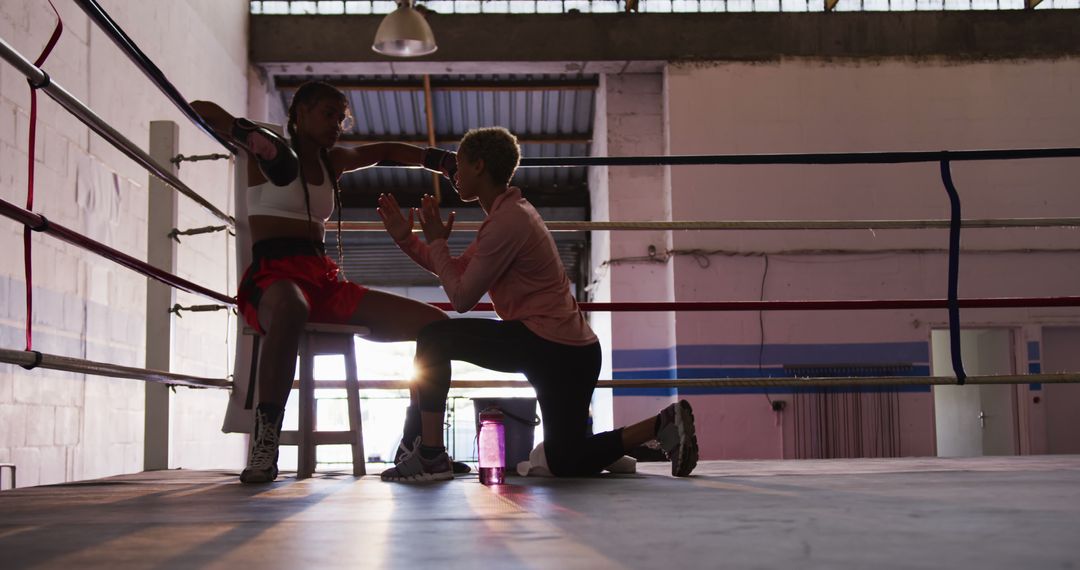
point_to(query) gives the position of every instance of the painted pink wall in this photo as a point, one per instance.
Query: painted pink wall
(630, 113)
(800, 106)
(1060, 354)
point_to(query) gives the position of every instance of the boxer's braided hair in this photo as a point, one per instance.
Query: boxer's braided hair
(308, 94)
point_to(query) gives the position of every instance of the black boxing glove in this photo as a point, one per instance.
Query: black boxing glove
(277, 160)
(442, 161)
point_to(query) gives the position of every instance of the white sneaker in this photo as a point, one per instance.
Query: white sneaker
(677, 438)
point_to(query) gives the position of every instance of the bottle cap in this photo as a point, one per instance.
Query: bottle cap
(491, 414)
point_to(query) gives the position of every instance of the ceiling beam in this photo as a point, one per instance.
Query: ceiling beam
(430, 119)
(579, 39)
(289, 83)
(350, 139)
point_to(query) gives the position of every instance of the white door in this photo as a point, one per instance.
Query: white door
(974, 420)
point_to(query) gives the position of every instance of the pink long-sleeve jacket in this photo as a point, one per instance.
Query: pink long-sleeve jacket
(514, 259)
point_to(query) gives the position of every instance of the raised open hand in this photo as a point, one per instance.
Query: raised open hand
(431, 221)
(395, 223)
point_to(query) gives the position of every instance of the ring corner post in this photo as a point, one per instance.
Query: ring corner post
(161, 253)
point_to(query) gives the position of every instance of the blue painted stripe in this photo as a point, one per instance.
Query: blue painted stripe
(1034, 368)
(770, 372)
(910, 389)
(780, 354)
(628, 364)
(643, 358)
(771, 354)
(1033, 350)
(664, 392)
(668, 374)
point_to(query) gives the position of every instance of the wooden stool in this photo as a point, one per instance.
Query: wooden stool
(321, 339)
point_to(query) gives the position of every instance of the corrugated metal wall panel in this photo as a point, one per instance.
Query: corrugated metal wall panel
(545, 113)
(374, 259)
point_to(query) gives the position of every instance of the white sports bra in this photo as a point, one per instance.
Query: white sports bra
(288, 201)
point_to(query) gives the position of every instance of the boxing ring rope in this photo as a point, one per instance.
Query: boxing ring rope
(858, 305)
(55, 362)
(764, 382)
(38, 79)
(42, 82)
(136, 55)
(572, 226)
(837, 158)
(39, 223)
(943, 158)
(77, 365)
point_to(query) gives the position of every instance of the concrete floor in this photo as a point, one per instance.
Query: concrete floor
(1016, 512)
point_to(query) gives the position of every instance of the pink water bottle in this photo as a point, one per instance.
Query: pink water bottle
(492, 447)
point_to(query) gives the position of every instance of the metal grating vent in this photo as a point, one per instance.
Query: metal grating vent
(374, 259)
(833, 423)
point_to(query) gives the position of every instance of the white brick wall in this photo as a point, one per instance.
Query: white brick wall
(60, 426)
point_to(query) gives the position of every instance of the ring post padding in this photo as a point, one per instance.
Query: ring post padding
(36, 362)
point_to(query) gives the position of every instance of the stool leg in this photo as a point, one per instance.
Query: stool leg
(356, 427)
(305, 465)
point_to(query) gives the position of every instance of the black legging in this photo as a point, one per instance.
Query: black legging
(563, 375)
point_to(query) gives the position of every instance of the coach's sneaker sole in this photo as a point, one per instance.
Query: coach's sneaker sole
(677, 437)
(458, 467)
(413, 468)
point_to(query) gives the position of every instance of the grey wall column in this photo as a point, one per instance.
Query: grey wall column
(161, 253)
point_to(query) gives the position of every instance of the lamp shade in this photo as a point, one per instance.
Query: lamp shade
(404, 33)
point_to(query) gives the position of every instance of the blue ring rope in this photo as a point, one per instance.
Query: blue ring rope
(954, 273)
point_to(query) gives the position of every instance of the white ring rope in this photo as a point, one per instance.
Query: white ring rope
(53, 362)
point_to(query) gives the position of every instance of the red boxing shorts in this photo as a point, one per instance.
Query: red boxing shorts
(304, 263)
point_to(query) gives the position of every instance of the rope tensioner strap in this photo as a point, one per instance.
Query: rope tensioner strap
(176, 232)
(178, 308)
(198, 157)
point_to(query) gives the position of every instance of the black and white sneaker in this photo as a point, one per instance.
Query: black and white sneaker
(414, 468)
(677, 438)
(262, 462)
(459, 467)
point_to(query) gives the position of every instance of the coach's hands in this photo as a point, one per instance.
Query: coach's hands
(431, 221)
(395, 223)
